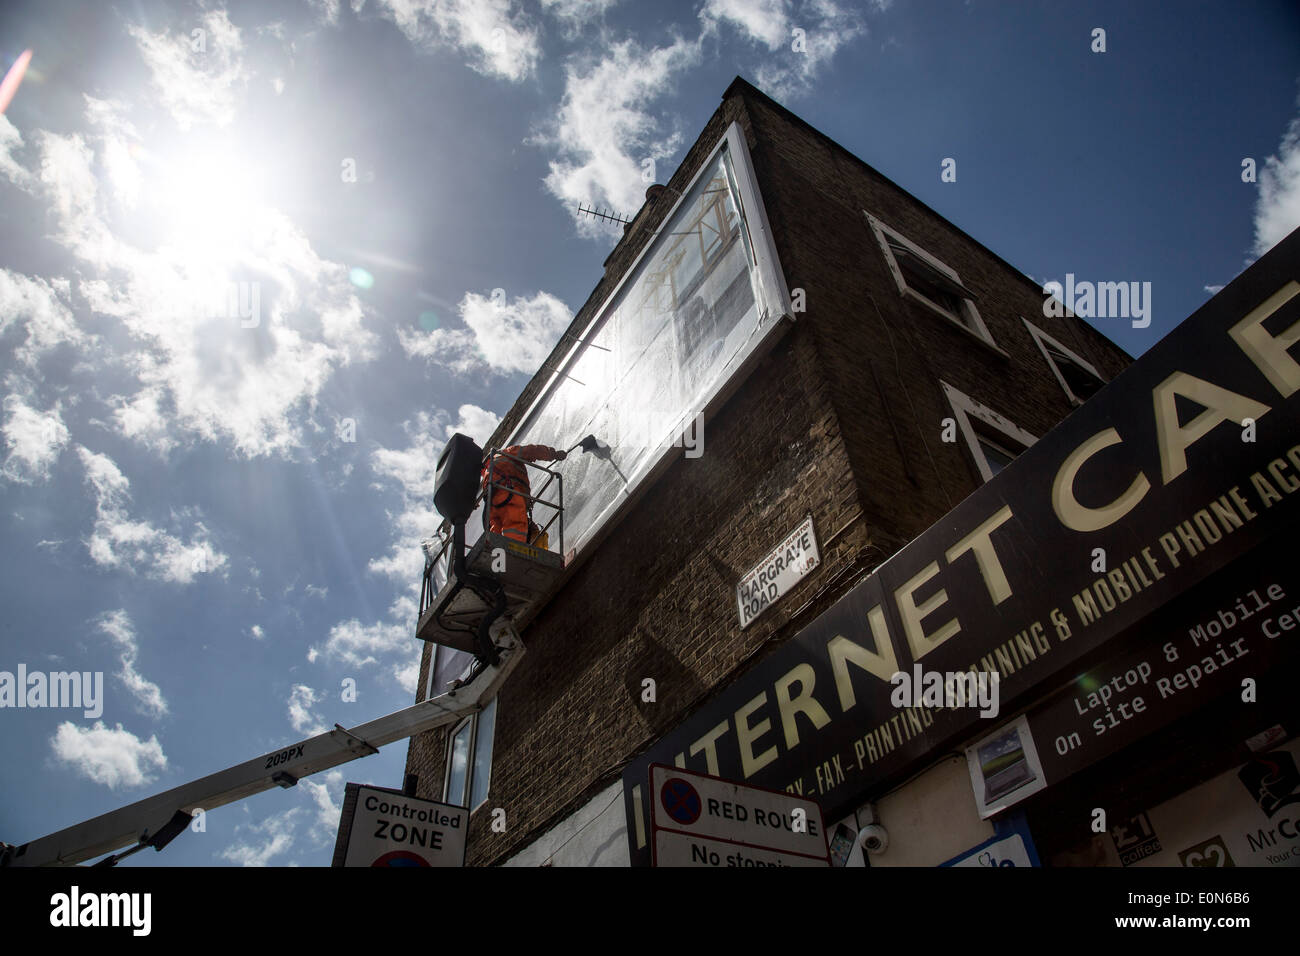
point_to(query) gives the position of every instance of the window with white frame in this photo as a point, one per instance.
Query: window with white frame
(469, 759)
(1077, 376)
(924, 279)
(993, 440)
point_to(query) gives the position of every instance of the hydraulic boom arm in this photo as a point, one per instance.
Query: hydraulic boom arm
(156, 820)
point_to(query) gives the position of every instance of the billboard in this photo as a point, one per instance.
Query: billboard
(704, 295)
(1186, 461)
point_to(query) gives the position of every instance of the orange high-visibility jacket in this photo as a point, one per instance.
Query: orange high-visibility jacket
(508, 513)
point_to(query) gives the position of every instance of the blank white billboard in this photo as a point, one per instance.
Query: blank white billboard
(701, 298)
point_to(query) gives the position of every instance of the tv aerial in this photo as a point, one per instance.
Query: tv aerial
(602, 213)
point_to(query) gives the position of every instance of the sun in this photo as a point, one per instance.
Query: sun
(209, 206)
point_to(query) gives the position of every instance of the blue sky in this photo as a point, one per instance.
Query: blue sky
(247, 288)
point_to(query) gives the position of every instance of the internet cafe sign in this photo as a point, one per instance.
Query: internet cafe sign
(1185, 462)
(778, 572)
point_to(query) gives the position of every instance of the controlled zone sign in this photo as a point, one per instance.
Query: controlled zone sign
(698, 820)
(391, 829)
(784, 567)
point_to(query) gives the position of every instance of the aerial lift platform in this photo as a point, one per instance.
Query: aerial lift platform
(500, 575)
(472, 608)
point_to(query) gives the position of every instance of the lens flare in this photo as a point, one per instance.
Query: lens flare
(9, 85)
(361, 278)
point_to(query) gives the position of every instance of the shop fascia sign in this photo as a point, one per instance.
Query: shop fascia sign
(1187, 460)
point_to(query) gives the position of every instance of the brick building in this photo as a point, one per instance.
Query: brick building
(838, 352)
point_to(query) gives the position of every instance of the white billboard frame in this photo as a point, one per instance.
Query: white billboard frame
(772, 303)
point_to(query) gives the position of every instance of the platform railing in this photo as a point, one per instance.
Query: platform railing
(437, 549)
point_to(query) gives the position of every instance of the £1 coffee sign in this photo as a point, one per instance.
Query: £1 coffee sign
(778, 572)
(1248, 816)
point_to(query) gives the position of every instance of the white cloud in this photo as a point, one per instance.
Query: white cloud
(118, 138)
(785, 72)
(115, 758)
(604, 133)
(1277, 211)
(34, 440)
(301, 700)
(766, 21)
(43, 305)
(11, 140)
(117, 625)
(498, 42)
(576, 14)
(117, 541)
(197, 74)
(269, 839)
(389, 641)
(412, 469)
(328, 807)
(499, 336)
(356, 645)
(1214, 289)
(234, 328)
(256, 632)
(407, 676)
(327, 10)
(316, 817)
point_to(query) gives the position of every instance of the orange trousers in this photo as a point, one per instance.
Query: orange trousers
(510, 519)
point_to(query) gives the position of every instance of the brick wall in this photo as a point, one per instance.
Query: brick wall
(840, 420)
(884, 354)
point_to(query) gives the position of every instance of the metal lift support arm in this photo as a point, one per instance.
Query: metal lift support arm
(135, 824)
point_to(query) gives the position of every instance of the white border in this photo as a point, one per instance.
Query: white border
(964, 408)
(1021, 725)
(473, 720)
(1042, 339)
(773, 305)
(980, 332)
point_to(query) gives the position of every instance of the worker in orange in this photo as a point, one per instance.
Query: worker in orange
(509, 512)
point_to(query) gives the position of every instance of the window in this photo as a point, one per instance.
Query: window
(1077, 377)
(924, 279)
(992, 440)
(469, 749)
(996, 455)
(469, 759)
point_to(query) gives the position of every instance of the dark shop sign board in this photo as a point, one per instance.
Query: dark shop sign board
(779, 571)
(386, 828)
(700, 820)
(1155, 471)
(1242, 624)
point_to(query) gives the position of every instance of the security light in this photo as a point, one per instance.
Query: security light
(457, 482)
